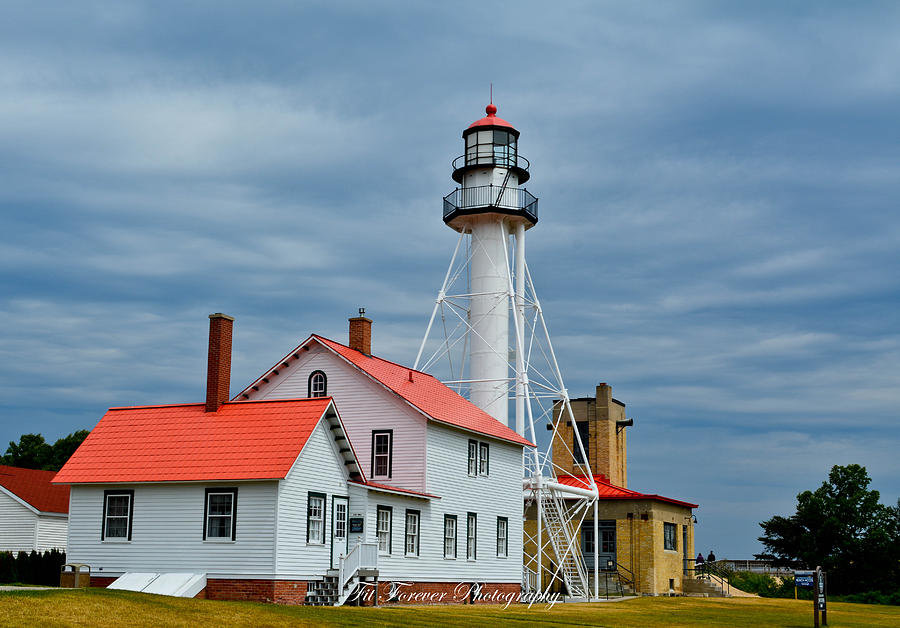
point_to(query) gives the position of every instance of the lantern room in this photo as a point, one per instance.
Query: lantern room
(490, 173)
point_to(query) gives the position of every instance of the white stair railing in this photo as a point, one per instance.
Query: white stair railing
(362, 556)
(572, 568)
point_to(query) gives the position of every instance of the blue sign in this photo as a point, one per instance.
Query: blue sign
(804, 579)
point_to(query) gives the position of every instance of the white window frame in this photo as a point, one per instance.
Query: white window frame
(473, 457)
(502, 537)
(315, 518)
(450, 532)
(124, 538)
(230, 529)
(318, 384)
(484, 459)
(386, 437)
(411, 544)
(384, 528)
(471, 536)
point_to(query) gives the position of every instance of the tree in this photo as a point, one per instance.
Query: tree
(66, 446)
(842, 527)
(33, 452)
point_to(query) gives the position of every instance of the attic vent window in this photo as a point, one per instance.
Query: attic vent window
(318, 384)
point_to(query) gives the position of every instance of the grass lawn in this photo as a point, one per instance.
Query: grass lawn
(100, 607)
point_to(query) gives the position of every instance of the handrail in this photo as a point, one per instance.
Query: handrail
(490, 159)
(362, 556)
(529, 579)
(713, 573)
(506, 198)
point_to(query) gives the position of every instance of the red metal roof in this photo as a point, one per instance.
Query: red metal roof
(393, 489)
(491, 118)
(427, 394)
(611, 491)
(34, 488)
(244, 440)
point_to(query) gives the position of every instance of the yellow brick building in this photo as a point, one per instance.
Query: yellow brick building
(645, 538)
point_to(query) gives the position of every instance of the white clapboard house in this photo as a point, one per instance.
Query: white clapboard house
(334, 474)
(33, 512)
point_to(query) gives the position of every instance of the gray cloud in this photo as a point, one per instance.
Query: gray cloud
(718, 235)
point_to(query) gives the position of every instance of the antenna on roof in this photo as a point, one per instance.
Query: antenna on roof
(492, 93)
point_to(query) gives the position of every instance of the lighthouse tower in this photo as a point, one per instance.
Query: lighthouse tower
(490, 206)
(491, 343)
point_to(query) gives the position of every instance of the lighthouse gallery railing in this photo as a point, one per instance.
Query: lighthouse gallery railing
(516, 199)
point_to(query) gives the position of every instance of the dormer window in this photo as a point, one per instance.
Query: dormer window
(318, 385)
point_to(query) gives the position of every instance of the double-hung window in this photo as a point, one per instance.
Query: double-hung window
(383, 528)
(219, 514)
(483, 458)
(412, 532)
(449, 536)
(118, 510)
(315, 518)
(479, 458)
(318, 385)
(382, 446)
(471, 536)
(502, 537)
(669, 541)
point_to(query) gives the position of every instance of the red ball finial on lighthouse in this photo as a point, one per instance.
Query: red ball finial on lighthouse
(491, 110)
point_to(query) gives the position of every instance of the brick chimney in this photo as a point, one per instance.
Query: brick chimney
(218, 373)
(361, 333)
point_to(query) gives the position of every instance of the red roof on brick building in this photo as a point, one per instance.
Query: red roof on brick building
(244, 440)
(34, 488)
(422, 391)
(611, 491)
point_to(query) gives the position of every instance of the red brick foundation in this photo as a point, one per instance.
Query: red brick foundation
(273, 591)
(101, 581)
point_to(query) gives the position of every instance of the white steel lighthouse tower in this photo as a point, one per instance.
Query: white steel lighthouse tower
(487, 339)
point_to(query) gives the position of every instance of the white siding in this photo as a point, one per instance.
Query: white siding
(319, 469)
(364, 406)
(499, 494)
(167, 533)
(51, 533)
(18, 525)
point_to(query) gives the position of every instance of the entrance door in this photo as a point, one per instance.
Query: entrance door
(338, 530)
(607, 547)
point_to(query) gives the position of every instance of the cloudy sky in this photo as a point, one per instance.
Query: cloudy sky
(719, 235)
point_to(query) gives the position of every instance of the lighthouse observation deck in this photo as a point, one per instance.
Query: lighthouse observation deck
(491, 198)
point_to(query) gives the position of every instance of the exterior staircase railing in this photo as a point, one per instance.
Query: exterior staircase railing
(362, 556)
(712, 573)
(567, 554)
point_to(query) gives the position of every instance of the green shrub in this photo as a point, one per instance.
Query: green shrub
(31, 567)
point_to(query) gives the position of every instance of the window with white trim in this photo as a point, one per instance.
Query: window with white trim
(412, 532)
(318, 384)
(383, 528)
(449, 536)
(315, 518)
(473, 457)
(219, 514)
(382, 453)
(502, 537)
(483, 458)
(471, 536)
(118, 509)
